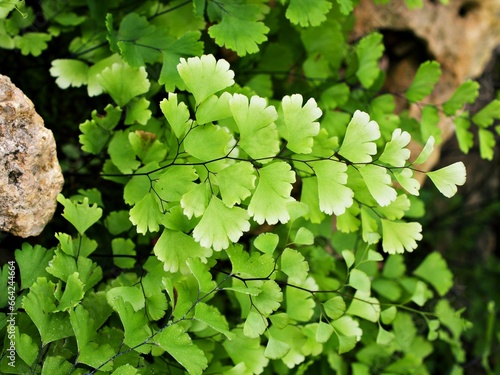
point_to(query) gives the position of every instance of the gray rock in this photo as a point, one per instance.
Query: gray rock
(30, 175)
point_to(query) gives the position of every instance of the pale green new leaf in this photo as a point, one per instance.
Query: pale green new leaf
(266, 242)
(146, 146)
(236, 183)
(205, 76)
(304, 237)
(255, 266)
(306, 13)
(81, 215)
(426, 151)
(174, 248)
(364, 306)
(348, 332)
(138, 111)
(396, 209)
(425, 79)
(269, 201)
(435, 271)
(176, 342)
(72, 295)
(69, 72)
(255, 324)
(123, 252)
(208, 142)
(334, 307)
(400, 236)
(211, 316)
(255, 120)
(297, 123)
(407, 182)
(240, 35)
(299, 303)
(294, 265)
(123, 82)
(369, 226)
(121, 152)
(177, 115)
(195, 201)
(448, 178)
(324, 332)
(395, 152)
(214, 108)
(369, 50)
(334, 196)
(378, 182)
(276, 349)
(221, 225)
(246, 350)
(358, 145)
(359, 280)
(175, 181)
(146, 214)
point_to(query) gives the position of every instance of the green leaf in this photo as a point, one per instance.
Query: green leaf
(32, 43)
(69, 72)
(349, 258)
(39, 304)
(346, 6)
(334, 196)
(369, 225)
(246, 350)
(303, 237)
(429, 123)
(96, 132)
(334, 307)
(369, 50)
(464, 137)
(395, 152)
(299, 303)
(435, 271)
(208, 142)
(466, 93)
(406, 180)
(177, 115)
(175, 181)
(396, 209)
(348, 332)
(364, 306)
(179, 345)
(138, 111)
(486, 115)
(214, 108)
(221, 225)
(146, 146)
(89, 352)
(323, 332)
(72, 295)
(269, 201)
(276, 349)
(240, 35)
(174, 248)
(384, 337)
(448, 178)
(57, 364)
(297, 124)
(394, 267)
(195, 201)
(358, 145)
(211, 316)
(123, 82)
(146, 214)
(255, 324)
(81, 215)
(359, 280)
(236, 183)
(294, 265)
(255, 266)
(123, 252)
(400, 236)
(426, 151)
(122, 153)
(378, 182)
(255, 120)
(26, 348)
(205, 76)
(451, 318)
(32, 262)
(487, 144)
(425, 79)
(305, 13)
(267, 242)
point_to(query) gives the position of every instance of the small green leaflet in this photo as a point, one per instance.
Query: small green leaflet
(213, 318)
(236, 182)
(177, 115)
(176, 342)
(448, 178)
(146, 146)
(294, 265)
(334, 196)
(258, 134)
(32, 43)
(208, 142)
(81, 215)
(487, 144)
(395, 152)
(72, 295)
(297, 124)
(69, 72)
(464, 137)
(435, 271)
(267, 242)
(425, 79)
(221, 225)
(466, 93)
(255, 265)
(369, 50)
(358, 145)
(486, 115)
(269, 201)
(364, 306)
(400, 236)
(122, 153)
(32, 262)
(426, 151)
(174, 248)
(123, 82)
(255, 324)
(214, 108)
(306, 13)
(138, 111)
(378, 181)
(146, 214)
(195, 201)
(205, 76)
(348, 332)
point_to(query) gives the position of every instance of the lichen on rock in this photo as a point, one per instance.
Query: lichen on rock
(30, 175)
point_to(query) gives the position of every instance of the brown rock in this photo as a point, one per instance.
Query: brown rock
(30, 175)
(461, 36)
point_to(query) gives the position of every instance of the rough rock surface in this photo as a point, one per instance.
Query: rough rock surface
(461, 36)
(30, 175)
